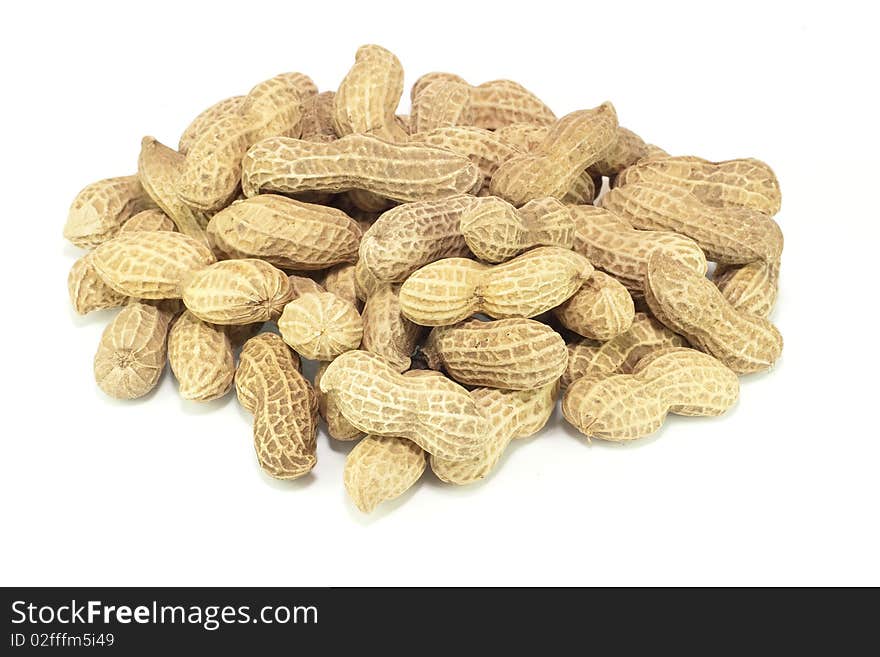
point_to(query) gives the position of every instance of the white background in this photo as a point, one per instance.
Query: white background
(783, 490)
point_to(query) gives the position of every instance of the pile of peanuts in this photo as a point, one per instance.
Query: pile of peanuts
(453, 271)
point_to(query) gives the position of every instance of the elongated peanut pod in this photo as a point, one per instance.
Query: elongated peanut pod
(402, 173)
(726, 235)
(269, 385)
(750, 288)
(691, 305)
(745, 183)
(515, 354)
(572, 144)
(450, 290)
(440, 104)
(629, 406)
(149, 264)
(286, 233)
(433, 412)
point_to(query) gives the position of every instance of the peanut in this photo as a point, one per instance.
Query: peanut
(211, 173)
(149, 264)
(200, 356)
(321, 326)
(381, 468)
(300, 285)
(435, 413)
(148, 220)
(726, 235)
(369, 94)
(515, 354)
(750, 288)
(746, 183)
(453, 289)
(629, 406)
(527, 138)
(511, 414)
(440, 104)
(401, 173)
(237, 292)
(131, 354)
(620, 354)
(387, 333)
(572, 144)
(285, 409)
(691, 305)
(601, 309)
(337, 426)
(159, 170)
(612, 244)
(88, 291)
(99, 211)
(286, 233)
(420, 84)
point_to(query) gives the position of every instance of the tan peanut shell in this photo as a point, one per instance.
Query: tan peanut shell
(387, 333)
(453, 289)
(365, 283)
(750, 288)
(440, 104)
(435, 76)
(369, 94)
(612, 244)
(317, 122)
(131, 354)
(159, 170)
(337, 426)
(630, 406)
(435, 413)
(285, 409)
(627, 149)
(320, 326)
(572, 144)
(300, 285)
(341, 281)
(511, 414)
(745, 183)
(200, 356)
(726, 235)
(221, 109)
(211, 173)
(415, 234)
(515, 354)
(380, 468)
(88, 291)
(494, 231)
(148, 220)
(237, 292)
(483, 147)
(149, 264)
(620, 354)
(691, 305)
(501, 102)
(403, 173)
(601, 309)
(99, 210)
(286, 233)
